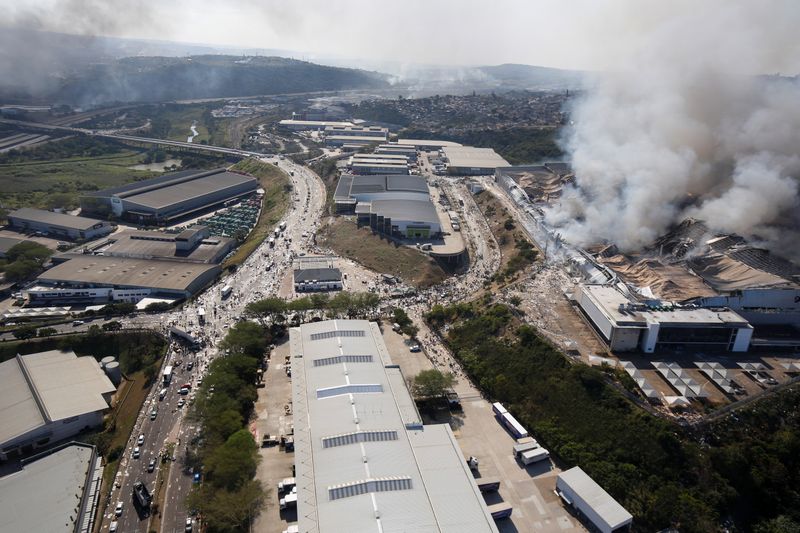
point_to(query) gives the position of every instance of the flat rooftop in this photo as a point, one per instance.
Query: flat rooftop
(364, 460)
(44, 387)
(470, 157)
(402, 209)
(426, 143)
(7, 243)
(380, 183)
(158, 245)
(44, 495)
(317, 274)
(313, 123)
(55, 219)
(125, 272)
(164, 191)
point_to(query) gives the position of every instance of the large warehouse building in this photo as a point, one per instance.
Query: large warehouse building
(56, 491)
(593, 503)
(58, 225)
(466, 160)
(172, 196)
(395, 205)
(629, 326)
(48, 397)
(138, 277)
(355, 135)
(364, 460)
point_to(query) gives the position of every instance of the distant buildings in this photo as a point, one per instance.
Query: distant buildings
(379, 164)
(56, 491)
(48, 397)
(192, 245)
(427, 145)
(364, 459)
(58, 225)
(305, 125)
(394, 205)
(594, 504)
(408, 150)
(355, 135)
(171, 196)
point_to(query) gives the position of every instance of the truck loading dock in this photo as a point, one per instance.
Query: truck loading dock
(581, 492)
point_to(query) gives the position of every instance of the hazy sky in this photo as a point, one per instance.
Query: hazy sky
(587, 34)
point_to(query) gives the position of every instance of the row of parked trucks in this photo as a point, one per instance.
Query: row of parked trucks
(526, 450)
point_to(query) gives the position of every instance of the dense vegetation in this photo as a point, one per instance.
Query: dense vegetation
(229, 497)
(135, 350)
(516, 145)
(743, 471)
(154, 79)
(24, 260)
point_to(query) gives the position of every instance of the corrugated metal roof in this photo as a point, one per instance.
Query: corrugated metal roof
(55, 219)
(365, 479)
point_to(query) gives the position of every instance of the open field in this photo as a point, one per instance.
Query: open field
(381, 255)
(275, 183)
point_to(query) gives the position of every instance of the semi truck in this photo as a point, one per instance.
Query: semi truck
(513, 426)
(289, 501)
(498, 409)
(286, 484)
(167, 375)
(524, 447)
(226, 291)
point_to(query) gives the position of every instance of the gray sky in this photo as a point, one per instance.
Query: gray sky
(584, 34)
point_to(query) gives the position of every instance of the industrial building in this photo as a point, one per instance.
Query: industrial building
(378, 164)
(427, 145)
(394, 205)
(355, 135)
(48, 397)
(408, 150)
(171, 196)
(58, 225)
(56, 491)
(317, 279)
(629, 326)
(364, 460)
(466, 160)
(150, 277)
(308, 125)
(192, 245)
(594, 504)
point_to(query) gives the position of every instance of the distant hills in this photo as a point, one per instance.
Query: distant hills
(157, 79)
(528, 76)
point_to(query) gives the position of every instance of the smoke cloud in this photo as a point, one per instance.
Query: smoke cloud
(689, 129)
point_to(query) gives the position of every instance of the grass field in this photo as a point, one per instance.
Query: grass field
(43, 183)
(276, 185)
(376, 253)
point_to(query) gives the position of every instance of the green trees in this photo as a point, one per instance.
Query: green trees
(25, 260)
(25, 332)
(229, 498)
(431, 384)
(245, 338)
(344, 303)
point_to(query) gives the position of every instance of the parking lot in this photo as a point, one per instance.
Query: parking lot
(272, 419)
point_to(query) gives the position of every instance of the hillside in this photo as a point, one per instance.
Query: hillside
(153, 79)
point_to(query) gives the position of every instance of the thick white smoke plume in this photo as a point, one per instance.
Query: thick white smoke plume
(687, 129)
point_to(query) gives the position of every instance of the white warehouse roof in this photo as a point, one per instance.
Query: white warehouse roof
(364, 461)
(46, 387)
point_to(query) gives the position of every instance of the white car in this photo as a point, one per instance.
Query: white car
(118, 510)
(140, 441)
(181, 402)
(112, 528)
(136, 453)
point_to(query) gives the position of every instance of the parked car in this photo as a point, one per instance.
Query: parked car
(140, 440)
(416, 348)
(136, 452)
(118, 510)
(151, 465)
